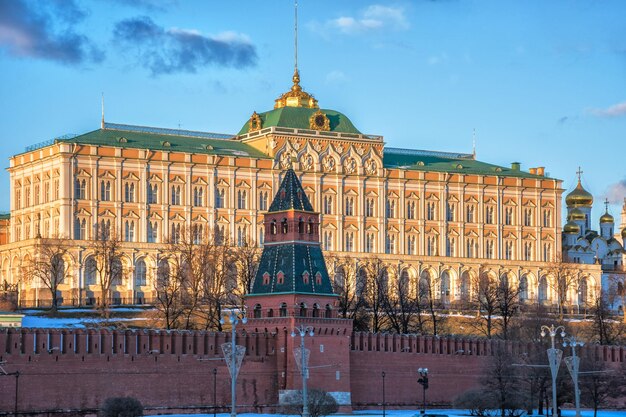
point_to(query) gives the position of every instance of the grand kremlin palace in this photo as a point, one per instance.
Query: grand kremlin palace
(445, 217)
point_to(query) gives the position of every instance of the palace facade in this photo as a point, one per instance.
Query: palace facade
(445, 217)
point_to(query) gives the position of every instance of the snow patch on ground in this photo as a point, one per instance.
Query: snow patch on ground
(72, 323)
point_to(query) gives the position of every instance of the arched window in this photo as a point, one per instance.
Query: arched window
(329, 311)
(273, 227)
(543, 289)
(270, 312)
(523, 288)
(283, 226)
(280, 278)
(310, 228)
(140, 273)
(302, 310)
(583, 292)
(283, 310)
(257, 311)
(163, 273)
(300, 225)
(116, 272)
(90, 271)
(424, 285)
(445, 286)
(465, 286)
(316, 310)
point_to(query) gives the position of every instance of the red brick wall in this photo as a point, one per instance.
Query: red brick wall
(77, 369)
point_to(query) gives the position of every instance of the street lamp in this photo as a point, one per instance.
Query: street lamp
(423, 381)
(233, 354)
(573, 364)
(302, 354)
(554, 358)
(384, 408)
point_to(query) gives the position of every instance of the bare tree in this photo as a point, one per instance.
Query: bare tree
(400, 307)
(563, 277)
(486, 292)
(204, 276)
(507, 304)
(351, 303)
(501, 382)
(617, 291)
(48, 267)
(247, 258)
(604, 329)
(107, 251)
(375, 291)
(429, 299)
(598, 382)
(168, 295)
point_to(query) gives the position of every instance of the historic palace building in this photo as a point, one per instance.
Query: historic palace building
(437, 216)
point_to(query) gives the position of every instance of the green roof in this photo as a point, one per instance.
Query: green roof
(298, 118)
(183, 141)
(290, 195)
(446, 162)
(294, 261)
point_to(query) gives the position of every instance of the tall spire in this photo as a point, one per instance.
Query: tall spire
(474, 143)
(296, 36)
(296, 97)
(102, 122)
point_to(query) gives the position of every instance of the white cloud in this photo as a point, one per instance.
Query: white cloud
(616, 110)
(336, 76)
(616, 192)
(371, 19)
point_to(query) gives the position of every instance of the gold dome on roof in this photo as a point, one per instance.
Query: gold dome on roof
(606, 218)
(576, 214)
(296, 97)
(579, 197)
(571, 228)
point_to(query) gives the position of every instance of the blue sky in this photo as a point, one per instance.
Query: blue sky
(542, 82)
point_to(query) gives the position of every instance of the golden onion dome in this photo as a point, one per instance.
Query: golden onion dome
(606, 218)
(579, 197)
(576, 214)
(571, 228)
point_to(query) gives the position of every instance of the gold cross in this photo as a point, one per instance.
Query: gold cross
(579, 172)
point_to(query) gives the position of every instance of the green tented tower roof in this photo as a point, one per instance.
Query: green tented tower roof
(292, 263)
(291, 195)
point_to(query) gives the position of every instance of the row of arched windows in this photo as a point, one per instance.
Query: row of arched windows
(301, 311)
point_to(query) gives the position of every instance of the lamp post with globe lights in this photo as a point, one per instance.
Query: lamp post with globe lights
(423, 381)
(233, 354)
(302, 354)
(554, 359)
(573, 365)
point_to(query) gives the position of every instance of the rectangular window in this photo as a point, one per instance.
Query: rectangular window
(391, 209)
(369, 207)
(263, 200)
(508, 216)
(349, 206)
(489, 215)
(328, 204)
(219, 198)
